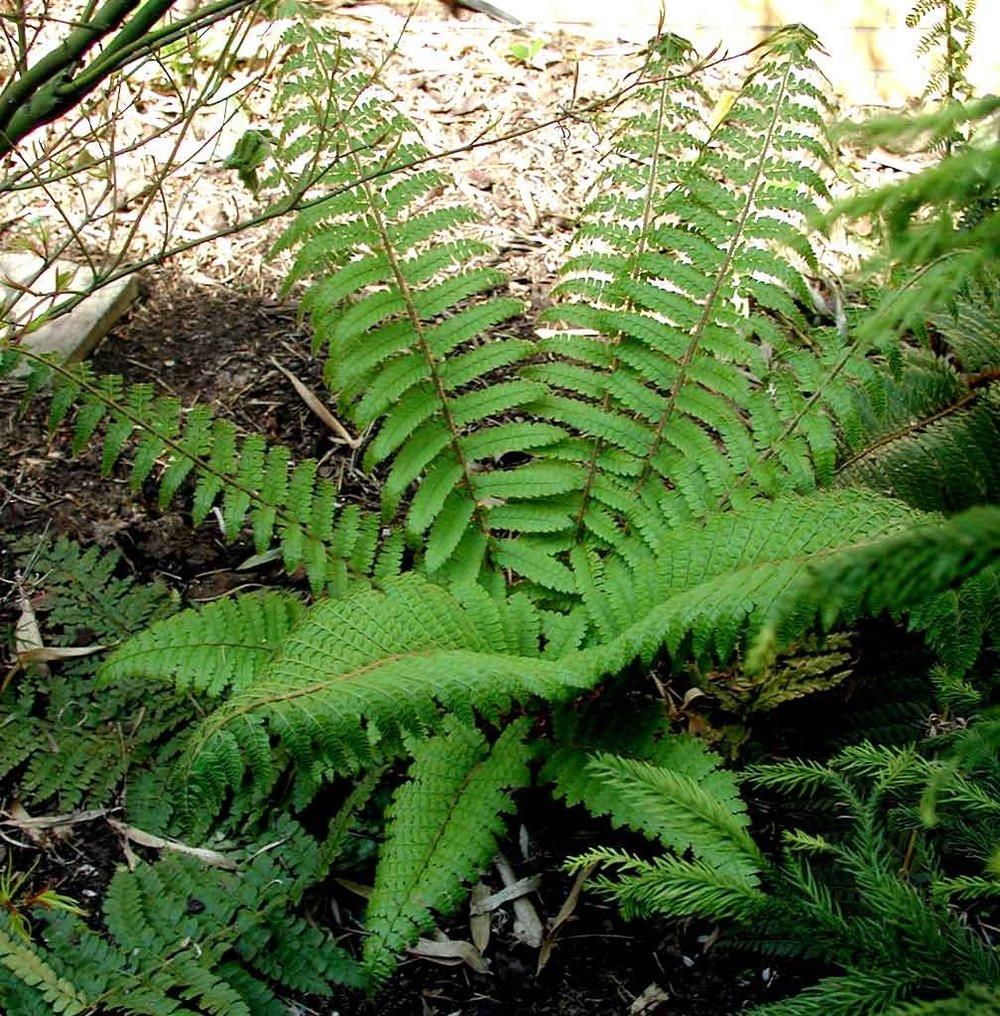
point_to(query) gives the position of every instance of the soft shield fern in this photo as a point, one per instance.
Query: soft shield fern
(685, 462)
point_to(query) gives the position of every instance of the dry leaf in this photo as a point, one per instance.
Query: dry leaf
(46, 654)
(144, 839)
(649, 1001)
(450, 952)
(565, 913)
(20, 818)
(364, 891)
(492, 901)
(527, 924)
(313, 401)
(480, 921)
(27, 634)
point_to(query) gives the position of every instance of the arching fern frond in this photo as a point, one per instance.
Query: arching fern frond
(909, 571)
(243, 479)
(359, 673)
(212, 649)
(709, 585)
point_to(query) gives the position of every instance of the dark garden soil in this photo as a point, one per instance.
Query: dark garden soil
(216, 345)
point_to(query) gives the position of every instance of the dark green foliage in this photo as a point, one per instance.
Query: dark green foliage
(869, 892)
(917, 567)
(443, 826)
(928, 433)
(83, 594)
(178, 930)
(68, 742)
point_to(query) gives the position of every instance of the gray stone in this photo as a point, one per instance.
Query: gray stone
(75, 334)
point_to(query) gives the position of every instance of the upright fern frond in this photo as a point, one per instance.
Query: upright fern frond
(682, 300)
(950, 41)
(443, 828)
(400, 302)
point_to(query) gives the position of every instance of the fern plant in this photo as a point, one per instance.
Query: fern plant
(64, 740)
(949, 29)
(671, 471)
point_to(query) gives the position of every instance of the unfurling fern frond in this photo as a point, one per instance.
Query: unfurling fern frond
(443, 827)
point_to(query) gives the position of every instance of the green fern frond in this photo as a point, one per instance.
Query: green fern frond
(908, 571)
(970, 328)
(443, 828)
(941, 461)
(857, 991)
(32, 968)
(80, 591)
(209, 650)
(359, 673)
(709, 585)
(178, 930)
(666, 383)
(950, 38)
(981, 999)
(665, 785)
(243, 479)
(65, 743)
